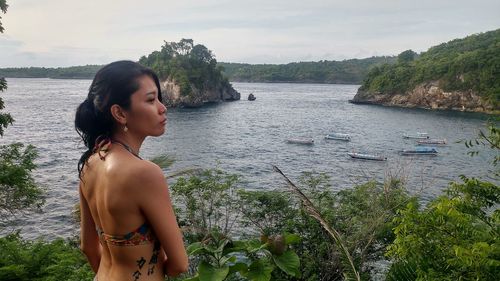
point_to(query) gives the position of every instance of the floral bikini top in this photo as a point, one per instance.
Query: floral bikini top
(142, 235)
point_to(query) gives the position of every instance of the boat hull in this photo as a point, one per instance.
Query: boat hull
(367, 156)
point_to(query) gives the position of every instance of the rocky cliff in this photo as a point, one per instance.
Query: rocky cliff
(429, 96)
(172, 96)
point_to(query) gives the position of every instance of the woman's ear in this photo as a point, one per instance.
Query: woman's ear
(119, 114)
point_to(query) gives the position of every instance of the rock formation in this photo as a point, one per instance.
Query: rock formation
(171, 93)
(429, 96)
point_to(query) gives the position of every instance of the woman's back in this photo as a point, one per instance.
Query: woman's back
(130, 247)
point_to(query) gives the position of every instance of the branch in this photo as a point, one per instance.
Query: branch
(313, 212)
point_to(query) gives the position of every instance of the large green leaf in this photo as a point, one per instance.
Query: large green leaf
(195, 248)
(207, 272)
(289, 262)
(292, 239)
(259, 270)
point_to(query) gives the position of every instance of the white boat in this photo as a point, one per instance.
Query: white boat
(423, 150)
(308, 141)
(432, 141)
(367, 156)
(338, 136)
(417, 136)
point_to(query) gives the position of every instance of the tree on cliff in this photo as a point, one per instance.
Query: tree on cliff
(18, 192)
(187, 64)
(468, 64)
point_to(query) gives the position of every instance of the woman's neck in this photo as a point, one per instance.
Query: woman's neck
(133, 142)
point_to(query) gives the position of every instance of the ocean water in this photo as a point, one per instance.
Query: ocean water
(246, 137)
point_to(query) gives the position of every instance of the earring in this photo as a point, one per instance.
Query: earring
(125, 129)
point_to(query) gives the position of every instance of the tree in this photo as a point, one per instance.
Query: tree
(18, 192)
(406, 56)
(457, 237)
(3, 8)
(5, 118)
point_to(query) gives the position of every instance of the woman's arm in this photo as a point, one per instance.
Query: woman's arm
(155, 203)
(89, 243)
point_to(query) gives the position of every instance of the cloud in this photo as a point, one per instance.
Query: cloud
(60, 32)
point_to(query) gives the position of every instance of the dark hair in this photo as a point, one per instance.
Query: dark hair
(113, 84)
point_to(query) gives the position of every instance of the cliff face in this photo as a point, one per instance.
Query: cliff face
(172, 96)
(429, 96)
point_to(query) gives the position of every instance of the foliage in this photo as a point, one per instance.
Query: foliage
(208, 202)
(457, 237)
(362, 215)
(223, 259)
(341, 72)
(5, 118)
(490, 139)
(73, 72)
(18, 192)
(3, 8)
(187, 64)
(472, 63)
(43, 261)
(358, 222)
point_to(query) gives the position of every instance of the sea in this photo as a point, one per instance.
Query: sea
(247, 138)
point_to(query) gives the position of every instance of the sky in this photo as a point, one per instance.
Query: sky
(60, 33)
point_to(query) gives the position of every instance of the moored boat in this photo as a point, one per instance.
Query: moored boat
(367, 156)
(308, 141)
(417, 136)
(432, 141)
(419, 151)
(338, 136)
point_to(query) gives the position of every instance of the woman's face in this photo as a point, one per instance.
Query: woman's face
(147, 115)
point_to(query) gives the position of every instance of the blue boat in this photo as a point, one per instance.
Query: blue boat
(423, 150)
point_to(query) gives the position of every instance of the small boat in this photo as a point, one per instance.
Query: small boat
(417, 136)
(432, 141)
(251, 97)
(423, 150)
(308, 141)
(338, 136)
(367, 156)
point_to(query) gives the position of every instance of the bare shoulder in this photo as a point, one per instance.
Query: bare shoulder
(146, 174)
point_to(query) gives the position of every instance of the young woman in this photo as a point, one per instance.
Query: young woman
(128, 226)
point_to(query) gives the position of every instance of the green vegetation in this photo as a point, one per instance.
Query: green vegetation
(22, 260)
(363, 218)
(196, 64)
(351, 71)
(472, 63)
(18, 192)
(187, 64)
(73, 72)
(457, 236)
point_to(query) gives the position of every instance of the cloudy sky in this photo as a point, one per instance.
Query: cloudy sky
(55, 33)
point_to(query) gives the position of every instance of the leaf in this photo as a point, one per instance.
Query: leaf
(226, 259)
(163, 161)
(289, 262)
(259, 270)
(292, 239)
(195, 248)
(195, 278)
(238, 267)
(207, 272)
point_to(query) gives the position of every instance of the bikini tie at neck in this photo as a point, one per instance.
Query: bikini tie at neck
(103, 144)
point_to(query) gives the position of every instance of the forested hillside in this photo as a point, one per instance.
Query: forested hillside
(468, 64)
(342, 72)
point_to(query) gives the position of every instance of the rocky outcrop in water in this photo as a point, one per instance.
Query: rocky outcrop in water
(429, 96)
(171, 93)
